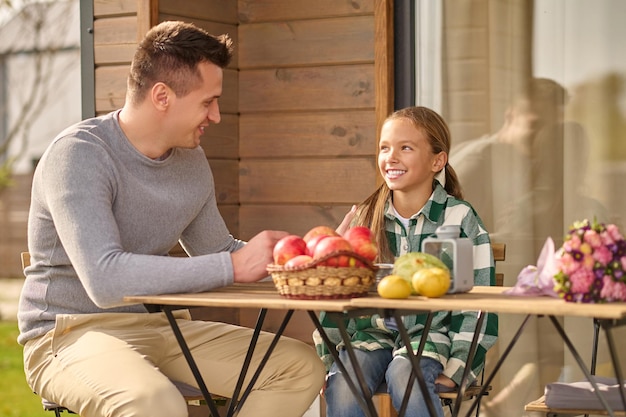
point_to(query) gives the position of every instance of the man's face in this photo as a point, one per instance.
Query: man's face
(189, 115)
(524, 121)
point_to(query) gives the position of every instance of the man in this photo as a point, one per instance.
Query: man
(111, 196)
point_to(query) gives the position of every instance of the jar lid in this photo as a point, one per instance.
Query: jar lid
(448, 231)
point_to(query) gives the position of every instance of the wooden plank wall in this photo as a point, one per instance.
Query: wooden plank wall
(118, 25)
(220, 141)
(297, 142)
(115, 39)
(307, 112)
(14, 205)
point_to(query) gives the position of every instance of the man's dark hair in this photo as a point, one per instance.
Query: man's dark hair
(170, 53)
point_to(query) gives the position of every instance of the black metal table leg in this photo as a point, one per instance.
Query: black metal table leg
(366, 395)
(234, 405)
(608, 325)
(414, 359)
(581, 365)
(468, 363)
(246, 363)
(342, 368)
(192, 363)
(267, 354)
(499, 363)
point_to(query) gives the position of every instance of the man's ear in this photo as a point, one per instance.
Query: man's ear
(160, 94)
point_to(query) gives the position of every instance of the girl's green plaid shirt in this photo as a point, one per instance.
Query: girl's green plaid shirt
(451, 331)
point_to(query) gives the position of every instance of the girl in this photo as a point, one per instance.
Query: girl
(420, 193)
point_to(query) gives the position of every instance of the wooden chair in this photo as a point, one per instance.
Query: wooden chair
(192, 395)
(382, 400)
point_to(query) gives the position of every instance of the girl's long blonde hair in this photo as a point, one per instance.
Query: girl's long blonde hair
(371, 212)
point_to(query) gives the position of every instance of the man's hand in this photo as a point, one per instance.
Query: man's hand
(250, 262)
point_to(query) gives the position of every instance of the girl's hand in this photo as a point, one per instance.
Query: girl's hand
(445, 381)
(345, 223)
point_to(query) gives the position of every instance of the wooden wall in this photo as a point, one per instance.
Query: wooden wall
(303, 100)
(220, 141)
(119, 25)
(297, 142)
(14, 205)
(307, 112)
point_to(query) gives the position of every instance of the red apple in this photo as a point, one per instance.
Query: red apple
(319, 230)
(298, 261)
(287, 248)
(362, 241)
(333, 244)
(312, 243)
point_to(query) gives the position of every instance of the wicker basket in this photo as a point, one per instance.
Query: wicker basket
(313, 281)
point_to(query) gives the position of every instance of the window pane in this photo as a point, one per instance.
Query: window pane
(533, 92)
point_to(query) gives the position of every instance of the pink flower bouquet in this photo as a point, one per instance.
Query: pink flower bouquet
(591, 263)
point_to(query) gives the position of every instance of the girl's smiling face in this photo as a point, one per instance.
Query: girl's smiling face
(406, 159)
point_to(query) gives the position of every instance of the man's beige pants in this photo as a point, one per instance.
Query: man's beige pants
(121, 364)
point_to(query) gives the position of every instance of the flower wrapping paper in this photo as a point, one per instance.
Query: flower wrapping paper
(588, 268)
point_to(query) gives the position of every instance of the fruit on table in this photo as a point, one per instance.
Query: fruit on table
(431, 282)
(298, 261)
(393, 286)
(333, 244)
(362, 241)
(408, 264)
(319, 230)
(311, 244)
(288, 247)
(321, 241)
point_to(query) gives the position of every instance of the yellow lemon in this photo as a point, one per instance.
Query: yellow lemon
(431, 282)
(394, 286)
(409, 263)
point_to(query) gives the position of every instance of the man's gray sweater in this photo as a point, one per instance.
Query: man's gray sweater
(102, 220)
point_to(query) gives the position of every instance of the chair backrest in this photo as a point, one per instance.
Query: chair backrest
(25, 259)
(499, 255)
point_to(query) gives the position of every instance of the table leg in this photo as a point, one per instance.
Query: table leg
(468, 363)
(413, 358)
(581, 364)
(498, 364)
(266, 357)
(192, 363)
(234, 405)
(364, 398)
(594, 346)
(614, 357)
